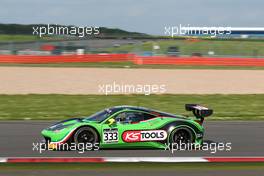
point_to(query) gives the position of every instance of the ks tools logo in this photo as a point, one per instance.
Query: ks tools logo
(141, 136)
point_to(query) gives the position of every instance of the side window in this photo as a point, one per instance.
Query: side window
(121, 118)
(148, 116)
(135, 117)
(132, 117)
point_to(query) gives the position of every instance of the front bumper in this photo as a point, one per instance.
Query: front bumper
(61, 136)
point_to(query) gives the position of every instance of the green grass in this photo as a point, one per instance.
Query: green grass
(47, 107)
(26, 38)
(81, 64)
(17, 38)
(220, 47)
(133, 166)
(131, 65)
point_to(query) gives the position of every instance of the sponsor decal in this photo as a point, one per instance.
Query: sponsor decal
(142, 136)
(110, 135)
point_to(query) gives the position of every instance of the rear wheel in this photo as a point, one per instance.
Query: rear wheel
(181, 137)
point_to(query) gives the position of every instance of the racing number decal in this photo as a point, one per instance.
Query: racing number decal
(110, 135)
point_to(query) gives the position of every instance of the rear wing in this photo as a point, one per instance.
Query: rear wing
(200, 112)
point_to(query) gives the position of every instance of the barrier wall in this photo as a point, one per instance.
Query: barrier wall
(163, 60)
(65, 58)
(201, 61)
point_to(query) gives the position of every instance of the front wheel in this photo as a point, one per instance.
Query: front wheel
(85, 135)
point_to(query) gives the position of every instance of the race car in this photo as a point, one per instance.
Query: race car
(130, 127)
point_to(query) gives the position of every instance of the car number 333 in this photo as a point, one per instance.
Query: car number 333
(110, 135)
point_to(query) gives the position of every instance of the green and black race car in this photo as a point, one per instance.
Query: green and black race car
(130, 127)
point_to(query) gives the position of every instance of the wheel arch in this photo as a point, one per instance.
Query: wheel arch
(182, 127)
(76, 129)
(170, 127)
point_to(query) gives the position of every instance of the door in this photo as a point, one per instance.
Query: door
(125, 131)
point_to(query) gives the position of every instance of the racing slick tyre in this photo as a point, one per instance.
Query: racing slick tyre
(181, 137)
(86, 135)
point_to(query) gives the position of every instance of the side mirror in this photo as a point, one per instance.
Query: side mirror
(111, 121)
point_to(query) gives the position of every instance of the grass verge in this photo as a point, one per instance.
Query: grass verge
(55, 107)
(130, 65)
(18, 38)
(187, 47)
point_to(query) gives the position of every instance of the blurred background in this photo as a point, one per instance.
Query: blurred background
(18, 40)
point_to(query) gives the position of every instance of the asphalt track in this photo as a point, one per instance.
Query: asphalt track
(232, 172)
(17, 139)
